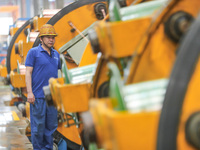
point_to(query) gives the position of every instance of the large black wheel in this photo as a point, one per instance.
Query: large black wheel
(188, 54)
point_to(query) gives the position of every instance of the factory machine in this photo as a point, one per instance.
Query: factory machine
(12, 30)
(72, 43)
(71, 39)
(133, 73)
(85, 73)
(148, 108)
(63, 94)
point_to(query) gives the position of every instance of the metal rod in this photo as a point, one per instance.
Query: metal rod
(104, 13)
(74, 27)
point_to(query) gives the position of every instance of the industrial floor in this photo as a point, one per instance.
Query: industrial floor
(12, 123)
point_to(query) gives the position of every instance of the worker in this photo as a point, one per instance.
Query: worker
(42, 63)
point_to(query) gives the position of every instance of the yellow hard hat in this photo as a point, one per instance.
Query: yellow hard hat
(47, 29)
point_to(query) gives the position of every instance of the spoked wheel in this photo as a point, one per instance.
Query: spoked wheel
(179, 126)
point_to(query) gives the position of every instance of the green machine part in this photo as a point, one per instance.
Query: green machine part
(133, 12)
(77, 75)
(144, 96)
(115, 90)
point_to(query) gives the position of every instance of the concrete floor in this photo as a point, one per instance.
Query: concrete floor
(12, 123)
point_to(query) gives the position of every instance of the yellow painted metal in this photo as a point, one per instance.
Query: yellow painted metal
(100, 76)
(74, 98)
(13, 56)
(68, 97)
(24, 47)
(88, 57)
(97, 108)
(64, 35)
(52, 83)
(63, 94)
(119, 39)
(122, 129)
(63, 28)
(27, 110)
(17, 80)
(13, 30)
(125, 135)
(153, 59)
(156, 52)
(70, 133)
(38, 22)
(3, 71)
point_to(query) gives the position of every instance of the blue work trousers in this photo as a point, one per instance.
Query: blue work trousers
(43, 124)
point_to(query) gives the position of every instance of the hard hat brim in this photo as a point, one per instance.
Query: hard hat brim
(48, 34)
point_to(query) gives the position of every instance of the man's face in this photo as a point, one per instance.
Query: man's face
(48, 41)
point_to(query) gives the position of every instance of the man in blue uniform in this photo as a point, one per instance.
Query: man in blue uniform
(42, 63)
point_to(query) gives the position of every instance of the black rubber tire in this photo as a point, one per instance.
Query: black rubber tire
(181, 74)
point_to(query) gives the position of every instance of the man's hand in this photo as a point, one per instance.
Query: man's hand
(31, 98)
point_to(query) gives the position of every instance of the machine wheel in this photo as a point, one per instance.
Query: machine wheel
(181, 74)
(12, 42)
(65, 11)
